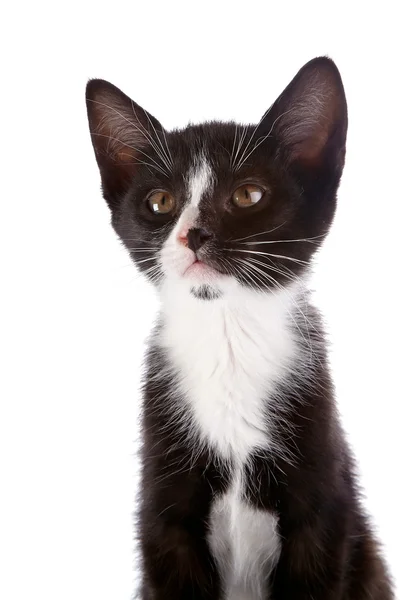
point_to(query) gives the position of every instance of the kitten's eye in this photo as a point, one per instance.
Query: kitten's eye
(161, 203)
(247, 195)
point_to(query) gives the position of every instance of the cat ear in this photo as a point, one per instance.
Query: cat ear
(309, 119)
(121, 133)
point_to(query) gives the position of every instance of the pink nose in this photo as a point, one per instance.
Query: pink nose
(182, 236)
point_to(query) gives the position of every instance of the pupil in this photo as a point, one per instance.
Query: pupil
(246, 193)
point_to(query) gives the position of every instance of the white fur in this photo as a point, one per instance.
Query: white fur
(230, 353)
(245, 543)
(200, 180)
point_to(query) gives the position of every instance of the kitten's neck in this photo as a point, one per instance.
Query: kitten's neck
(240, 320)
(180, 305)
(230, 354)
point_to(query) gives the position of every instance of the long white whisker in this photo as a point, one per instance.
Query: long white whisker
(153, 268)
(296, 260)
(240, 143)
(149, 137)
(265, 275)
(161, 147)
(155, 165)
(260, 233)
(240, 162)
(260, 140)
(150, 165)
(292, 278)
(154, 273)
(258, 286)
(233, 147)
(167, 147)
(289, 275)
(230, 266)
(310, 240)
(142, 162)
(139, 262)
(273, 280)
(131, 124)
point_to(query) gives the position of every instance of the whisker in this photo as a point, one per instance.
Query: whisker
(240, 143)
(233, 147)
(167, 147)
(150, 138)
(154, 273)
(142, 162)
(240, 162)
(155, 165)
(295, 260)
(289, 274)
(265, 275)
(229, 266)
(293, 278)
(141, 249)
(247, 274)
(152, 269)
(273, 280)
(139, 262)
(310, 240)
(161, 147)
(131, 124)
(260, 233)
(260, 140)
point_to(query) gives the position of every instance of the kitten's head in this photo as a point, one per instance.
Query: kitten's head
(218, 204)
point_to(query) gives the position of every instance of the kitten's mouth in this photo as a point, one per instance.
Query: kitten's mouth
(201, 270)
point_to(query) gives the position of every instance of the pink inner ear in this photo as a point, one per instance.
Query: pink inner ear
(309, 123)
(114, 127)
(313, 110)
(309, 150)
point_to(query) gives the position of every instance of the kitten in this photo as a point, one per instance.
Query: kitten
(248, 488)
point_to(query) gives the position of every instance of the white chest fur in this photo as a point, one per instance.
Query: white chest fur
(230, 353)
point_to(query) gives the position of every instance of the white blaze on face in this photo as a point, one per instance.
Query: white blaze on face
(200, 180)
(175, 256)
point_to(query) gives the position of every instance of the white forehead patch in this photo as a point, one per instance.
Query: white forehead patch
(200, 180)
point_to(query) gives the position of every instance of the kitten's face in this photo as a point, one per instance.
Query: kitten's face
(220, 204)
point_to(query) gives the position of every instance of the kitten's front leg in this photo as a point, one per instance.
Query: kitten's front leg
(327, 564)
(177, 562)
(178, 566)
(313, 559)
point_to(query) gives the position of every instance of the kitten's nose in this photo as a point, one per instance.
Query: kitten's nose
(196, 237)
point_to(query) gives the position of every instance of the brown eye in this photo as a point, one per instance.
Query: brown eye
(161, 203)
(247, 195)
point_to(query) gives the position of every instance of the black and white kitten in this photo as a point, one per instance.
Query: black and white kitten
(248, 488)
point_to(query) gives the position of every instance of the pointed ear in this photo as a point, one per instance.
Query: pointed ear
(122, 134)
(309, 119)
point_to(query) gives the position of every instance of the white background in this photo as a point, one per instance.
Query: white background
(75, 315)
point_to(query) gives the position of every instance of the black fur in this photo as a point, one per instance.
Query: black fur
(328, 549)
(204, 292)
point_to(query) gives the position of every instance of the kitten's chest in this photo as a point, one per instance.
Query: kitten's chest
(226, 398)
(229, 358)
